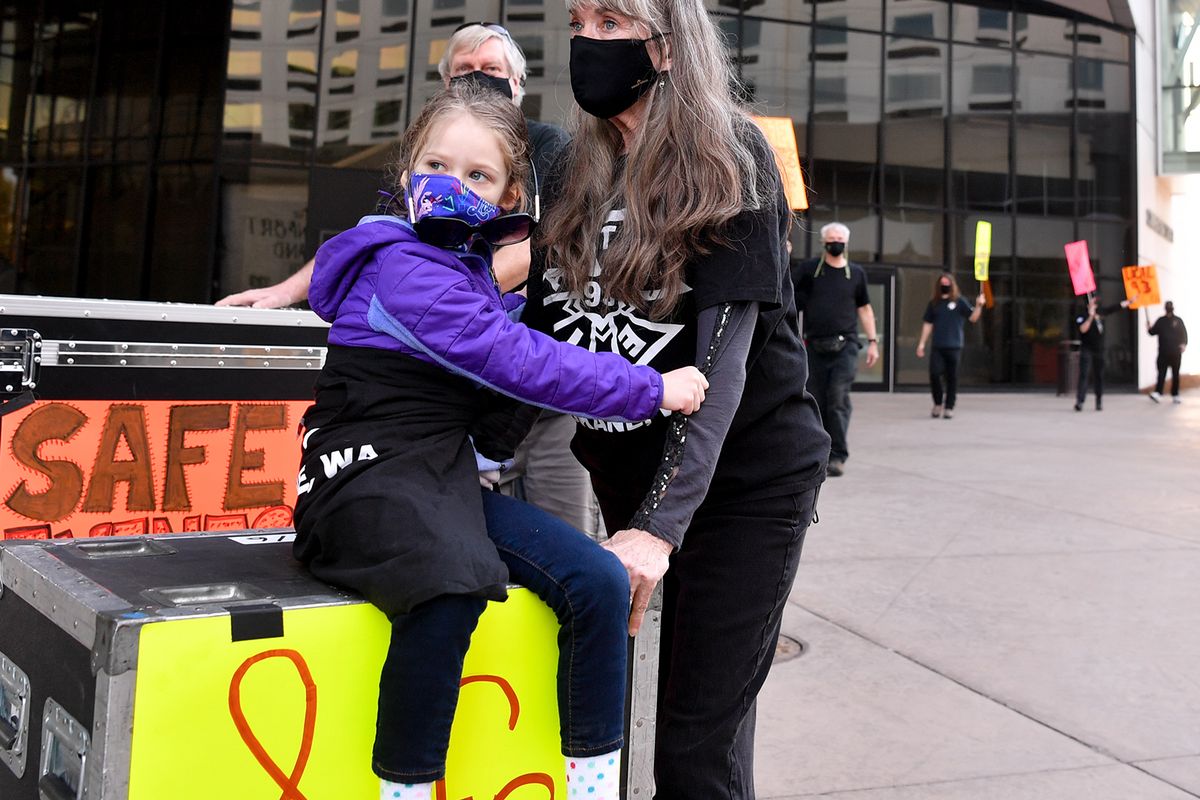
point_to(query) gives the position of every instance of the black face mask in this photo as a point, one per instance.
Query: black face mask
(835, 248)
(478, 78)
(610, 75)
(945, 290)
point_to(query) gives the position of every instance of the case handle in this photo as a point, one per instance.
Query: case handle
(64, 754)
(14, 715)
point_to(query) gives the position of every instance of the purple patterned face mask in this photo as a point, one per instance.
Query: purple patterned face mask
(440, 195)
(445, 213)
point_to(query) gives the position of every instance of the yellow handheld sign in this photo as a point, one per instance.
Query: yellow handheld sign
(1141, 285)
(983, 249)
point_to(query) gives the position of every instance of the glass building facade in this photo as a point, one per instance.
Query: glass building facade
(181, 151)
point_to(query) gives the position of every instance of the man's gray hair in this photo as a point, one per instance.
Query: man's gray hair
(835, 226)
(471, 39)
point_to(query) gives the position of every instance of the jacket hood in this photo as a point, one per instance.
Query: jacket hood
(342, 259)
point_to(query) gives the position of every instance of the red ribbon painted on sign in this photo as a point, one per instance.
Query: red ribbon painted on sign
(290, 784)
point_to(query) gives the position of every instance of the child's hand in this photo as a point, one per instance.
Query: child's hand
(683, 389)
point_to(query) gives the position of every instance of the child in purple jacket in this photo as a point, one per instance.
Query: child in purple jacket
(424, 366)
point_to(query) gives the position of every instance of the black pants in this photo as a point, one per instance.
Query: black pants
(943, 365)
(830, 376)
(1090, 362)
(723, 602)
(1169, 361)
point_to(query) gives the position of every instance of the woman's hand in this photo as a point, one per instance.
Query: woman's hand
(646, 558)
(981, 300)
(920, 349)
(683, 389)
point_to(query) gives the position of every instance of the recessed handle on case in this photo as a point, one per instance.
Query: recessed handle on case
(64, 754)
(8, 734)
(14, 715)
(52, 787)
(123, 548)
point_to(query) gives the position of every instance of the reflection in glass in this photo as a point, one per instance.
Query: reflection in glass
(923, 18)
(263, 220)
(775, 73)
(862, 14)
(846, 106)
(1179, 73)
(912, 237)
(541, 31)
(913, 133)
(49, 252)
(1045, 34)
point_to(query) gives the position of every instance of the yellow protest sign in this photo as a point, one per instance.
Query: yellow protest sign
(1141, 285)
(781, 134)
(294, 716)
(983, 249)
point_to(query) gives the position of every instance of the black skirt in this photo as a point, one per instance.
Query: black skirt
(389, 502)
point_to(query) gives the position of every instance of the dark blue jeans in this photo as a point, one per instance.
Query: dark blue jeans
(829, 378)
(588, 590)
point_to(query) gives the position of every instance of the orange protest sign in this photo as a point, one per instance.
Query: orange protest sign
(781, 134)
(1141, 285)
(99, 468)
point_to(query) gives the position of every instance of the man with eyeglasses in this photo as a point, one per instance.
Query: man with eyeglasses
(486, 53)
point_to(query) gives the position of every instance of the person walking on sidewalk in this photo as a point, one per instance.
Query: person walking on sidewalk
(1172, 341)
(831, 292)
(944, 320)
(1090, 323)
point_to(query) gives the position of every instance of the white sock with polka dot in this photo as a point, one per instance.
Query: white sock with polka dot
(594, 778)
(404, 791)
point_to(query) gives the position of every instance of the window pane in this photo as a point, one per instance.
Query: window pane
(979, 128)
(775, 73)
(543, 34)
(191, 105)
(794, 10)
(1104, 165)
(1044, 301)
(1095, 41)
(116, 211)
(180, 269)
(263, 226)
(914, 129)
(912, 237)
(1045, 34)
(272, 71)
(986, 25)
(59, 103)
(846, 108)
(51, 232)
(861, 14)
(435, 23)
(927, 18)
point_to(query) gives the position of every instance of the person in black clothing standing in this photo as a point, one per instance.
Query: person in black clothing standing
(945, 318)
(1091, 348)
(831, 292)
(1172, 341)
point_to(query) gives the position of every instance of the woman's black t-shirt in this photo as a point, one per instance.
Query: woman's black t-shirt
(775, 444)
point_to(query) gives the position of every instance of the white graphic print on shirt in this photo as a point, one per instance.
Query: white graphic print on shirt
(604, 325)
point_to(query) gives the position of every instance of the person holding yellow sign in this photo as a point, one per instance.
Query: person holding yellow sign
(945, 318)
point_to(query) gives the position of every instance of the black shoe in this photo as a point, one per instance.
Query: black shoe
(1099, 406)
(1079, 406)
(835, 468)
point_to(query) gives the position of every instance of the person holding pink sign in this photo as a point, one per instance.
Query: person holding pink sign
(1090, 323)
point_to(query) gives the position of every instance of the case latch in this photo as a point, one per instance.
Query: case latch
(64, 755)
(14, 715)
(20, 360)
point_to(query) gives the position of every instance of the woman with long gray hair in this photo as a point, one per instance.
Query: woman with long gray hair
(666, 243)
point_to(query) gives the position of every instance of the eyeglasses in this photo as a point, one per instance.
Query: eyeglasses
(495, 27)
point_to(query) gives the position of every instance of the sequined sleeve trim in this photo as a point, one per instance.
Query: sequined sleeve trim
(677, 432)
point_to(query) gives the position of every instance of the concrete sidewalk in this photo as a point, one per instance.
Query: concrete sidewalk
(1002, 606)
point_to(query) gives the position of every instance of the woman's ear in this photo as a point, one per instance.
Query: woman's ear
(660, 53)
(512, 198)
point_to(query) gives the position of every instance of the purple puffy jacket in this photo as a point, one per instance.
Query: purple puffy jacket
(382, 287)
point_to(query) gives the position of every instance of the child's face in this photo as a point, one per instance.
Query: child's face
(461, 146)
